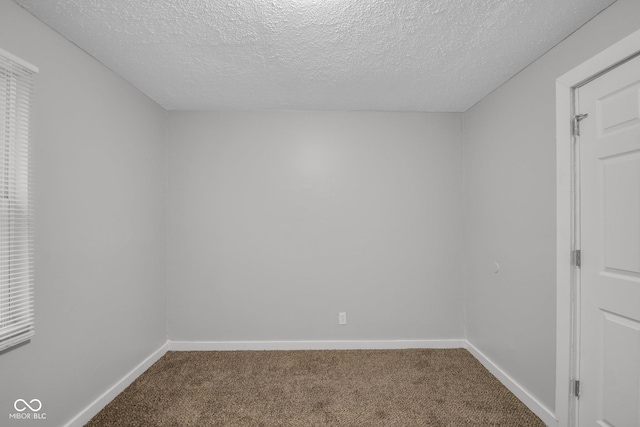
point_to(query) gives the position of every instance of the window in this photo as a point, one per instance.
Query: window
(16, 243)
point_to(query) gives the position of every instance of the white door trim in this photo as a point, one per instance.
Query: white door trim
(565, 304)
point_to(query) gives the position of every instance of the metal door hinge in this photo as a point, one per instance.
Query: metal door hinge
(576, 258)
(575, 388)
(576, 123)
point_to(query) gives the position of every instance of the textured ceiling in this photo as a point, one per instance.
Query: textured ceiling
(402, 55)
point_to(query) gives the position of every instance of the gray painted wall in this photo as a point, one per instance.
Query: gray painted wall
(278, 221)
(509, 208)
(99, 176)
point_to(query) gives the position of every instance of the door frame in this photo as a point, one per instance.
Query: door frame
(567, 301)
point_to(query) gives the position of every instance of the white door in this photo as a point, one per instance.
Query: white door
(609, 337)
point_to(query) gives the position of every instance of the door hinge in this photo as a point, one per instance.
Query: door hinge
(576, 258)
(576, 123)
(575, 388)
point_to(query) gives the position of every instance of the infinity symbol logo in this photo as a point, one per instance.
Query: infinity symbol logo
(26, 405)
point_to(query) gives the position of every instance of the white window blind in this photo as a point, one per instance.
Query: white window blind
(16, 236)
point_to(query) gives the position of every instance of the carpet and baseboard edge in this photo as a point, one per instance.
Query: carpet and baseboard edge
(96, 406)
(514, 387)
(530, 401)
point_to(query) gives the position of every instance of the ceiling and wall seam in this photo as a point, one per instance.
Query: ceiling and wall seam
(535, 59)
(415, 55)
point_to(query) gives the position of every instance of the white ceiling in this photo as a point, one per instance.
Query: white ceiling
(400, 55)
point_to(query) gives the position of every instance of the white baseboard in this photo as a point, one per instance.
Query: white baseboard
(96, 406)
(531, 402)
(314, 345)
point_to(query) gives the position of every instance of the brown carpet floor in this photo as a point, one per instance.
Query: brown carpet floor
(317, 388)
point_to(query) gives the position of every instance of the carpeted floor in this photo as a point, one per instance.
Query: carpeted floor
(317, 388)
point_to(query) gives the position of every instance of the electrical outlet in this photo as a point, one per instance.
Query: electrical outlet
(342, 318)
